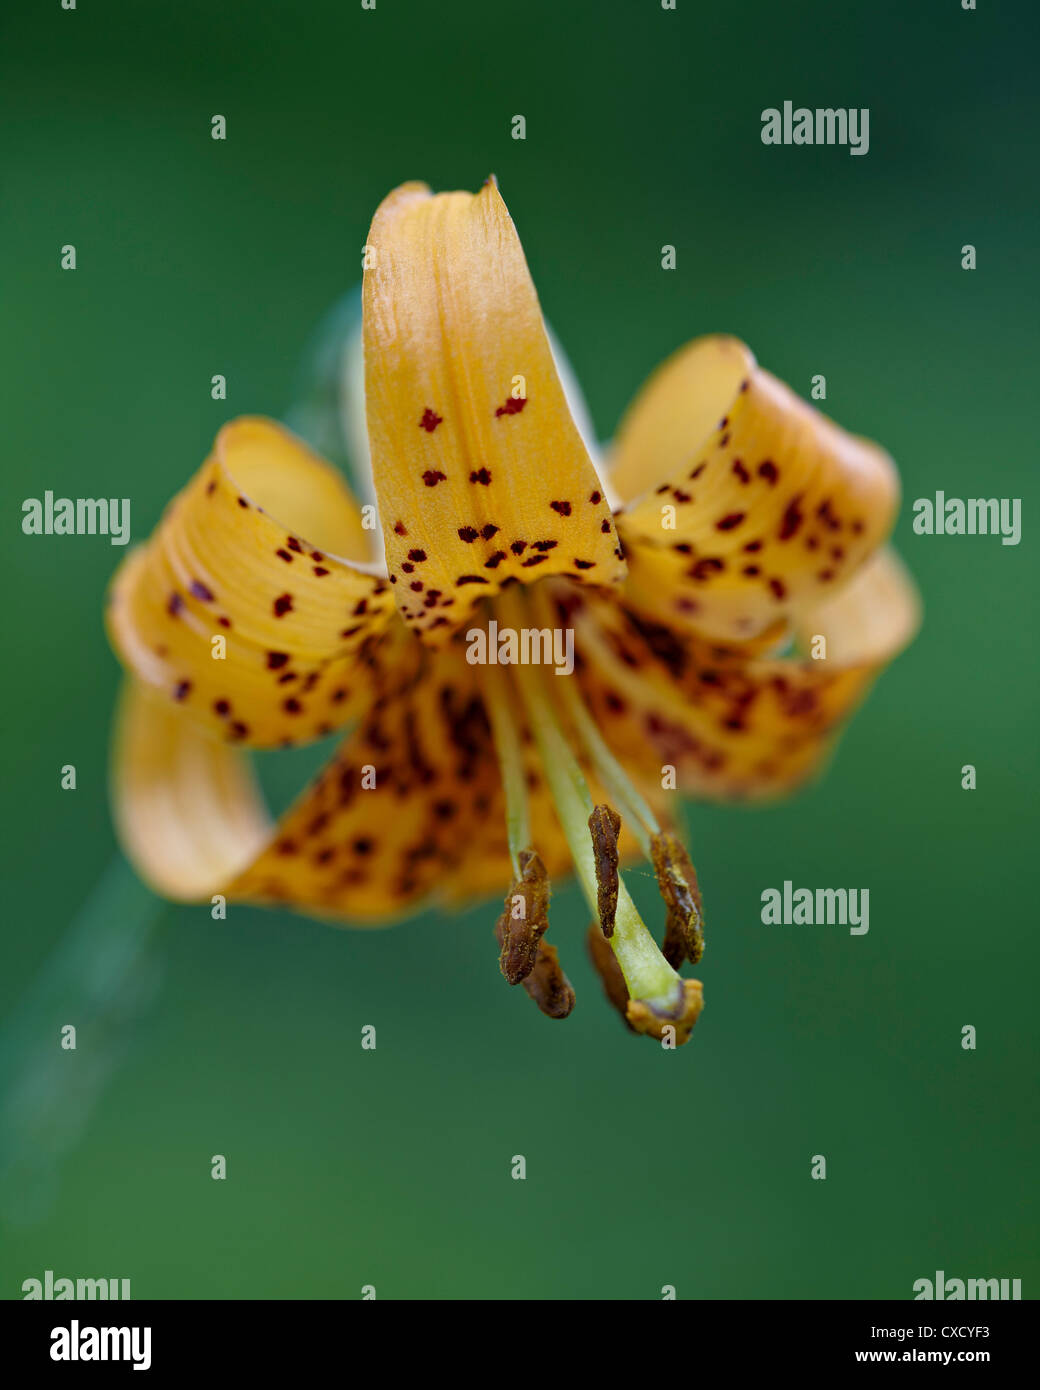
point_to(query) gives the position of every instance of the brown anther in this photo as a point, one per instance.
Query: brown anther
(524, 919)
(654, 1020)
(604, 962)
(548, 986)
(604, 827)
(677, 882)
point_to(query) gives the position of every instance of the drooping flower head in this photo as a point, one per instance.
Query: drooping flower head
(731, 520)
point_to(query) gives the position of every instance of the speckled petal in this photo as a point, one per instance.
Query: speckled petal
(773, 504)
(263, 550)
(396, 817)
(481, 474)
(734, 723)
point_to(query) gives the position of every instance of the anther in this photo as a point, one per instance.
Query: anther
(548, 986)
(677, 882)
(604, 827)
(524, 919)
(605, 964)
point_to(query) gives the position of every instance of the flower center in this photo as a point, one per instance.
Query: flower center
(641, 980)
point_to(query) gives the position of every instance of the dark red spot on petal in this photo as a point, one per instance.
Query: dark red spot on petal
(433, 476)
(513, 406)
(703, 569)
(430, 420)
(792, 519)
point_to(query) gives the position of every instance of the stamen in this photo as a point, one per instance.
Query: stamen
(651, 980)
(677, 880)
(604, 826)
(676, 876)
(605, 964)
(524, 958)
(548, 986)
(524, 920)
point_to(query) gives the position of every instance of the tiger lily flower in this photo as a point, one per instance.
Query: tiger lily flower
(732, 518)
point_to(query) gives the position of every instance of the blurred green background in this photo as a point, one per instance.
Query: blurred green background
(645, 1168)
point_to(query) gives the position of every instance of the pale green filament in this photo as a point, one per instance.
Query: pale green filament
(510, 760)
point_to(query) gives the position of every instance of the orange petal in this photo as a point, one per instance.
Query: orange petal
(736, 724)
(295, 613)
(743, 502)
(392, 815)
(480, 471)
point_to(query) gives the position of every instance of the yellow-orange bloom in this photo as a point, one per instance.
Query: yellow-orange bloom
(733, 517)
